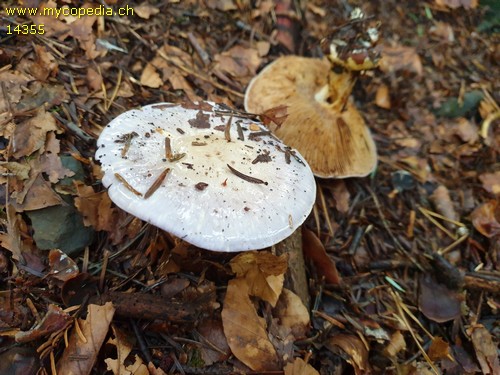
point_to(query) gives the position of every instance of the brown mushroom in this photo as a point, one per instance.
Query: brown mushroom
(322, 123)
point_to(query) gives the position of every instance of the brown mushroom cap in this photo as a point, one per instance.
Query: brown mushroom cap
(322, 123)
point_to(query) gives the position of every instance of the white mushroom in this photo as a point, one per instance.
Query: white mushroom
(200, 172)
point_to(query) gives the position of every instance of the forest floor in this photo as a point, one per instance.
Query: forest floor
(403, 266)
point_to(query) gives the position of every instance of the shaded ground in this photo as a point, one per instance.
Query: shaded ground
(403, 266)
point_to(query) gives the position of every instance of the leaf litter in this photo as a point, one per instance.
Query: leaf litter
(402, 266)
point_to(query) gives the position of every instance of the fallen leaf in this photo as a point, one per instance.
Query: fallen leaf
(223, 5)
(263, 47)
(382, 97)
(454, 4)
(36, 195)
(95, 207)
(491, 182)
(150, 77)
(466, 130)
(245, 331)
(124, 347)
(212, 332)
(239, 62)
(20, 361)
(341, 195)
(50, 162)
(31, 134)
(178, 82)
(299, 367)
(354, 348)
(292, 313)
(443, 31)
(11, 240)
(486, 219)
(263, 273)
(439, 349)
(399, 58)
(94, 79)
(276, 115)
(145, 10)
(486, 349)
(437, 302)
(441, 199)
(46, 95)
(315, 251)
(81, 30)
(395, 345)
(45, 64)
(55, 320)
(62, 267)
(86, 346)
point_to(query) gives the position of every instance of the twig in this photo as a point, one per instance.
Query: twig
(205, 58)
(142, 343)
(389, 231)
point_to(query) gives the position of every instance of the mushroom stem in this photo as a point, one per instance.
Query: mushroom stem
(295, 277)
(340, 88)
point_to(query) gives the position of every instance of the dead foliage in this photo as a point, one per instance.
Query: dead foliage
(402, 266)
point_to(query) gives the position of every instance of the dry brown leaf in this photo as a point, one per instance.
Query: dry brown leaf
(178, 82)
(396, 344)
(37, 194)
(94, 330)
(50, 162)
(124, 347)
(150, 77)
(45, 64)
(13, 82)
(399, 58)
(245, 331)
(62, 267)
(223, 5)
(486, 219)
(382, 97)
(454, 4)
(31, 134)
(263, 273)
(212, 331)
(39, 96)
(95, 207)
(276, 115)
(292, 313)
(443, 30)
(239, 62)
(355, 350)
(437, 302)
(299, 367)
(52, 26)
(94, 79)
(439, 349)
(55, 320)
(341, 195)
(11, 240)
(314, 250)
(145, 10)
(419, 167)
(82, 31)
(465, 130)
(491, 182)
(263, 47)
(486, 349)
(441, 199)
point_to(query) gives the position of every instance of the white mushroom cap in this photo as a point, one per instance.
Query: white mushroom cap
(201, 198)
